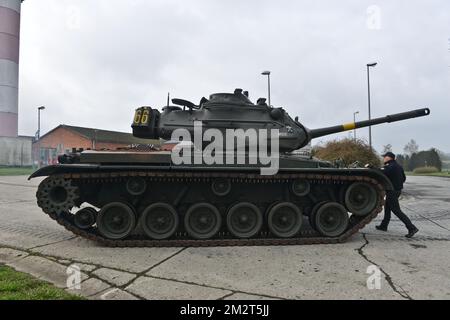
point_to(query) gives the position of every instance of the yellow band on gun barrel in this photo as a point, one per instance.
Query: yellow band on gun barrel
(349, 126)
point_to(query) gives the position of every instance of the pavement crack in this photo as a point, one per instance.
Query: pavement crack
(162, 261)
(103, 293)
(134, 294)
(227, 295)
(8, 202)
(143, 273)
(51, 243)
(17, 185)
(426, 218)
(400, 291)
(215, 287)
(98, 291)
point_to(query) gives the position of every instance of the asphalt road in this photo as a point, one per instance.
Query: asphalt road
(408, 269)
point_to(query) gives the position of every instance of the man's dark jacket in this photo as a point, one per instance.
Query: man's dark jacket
(395, 173)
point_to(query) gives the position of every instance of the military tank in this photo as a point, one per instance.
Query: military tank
(140, 197)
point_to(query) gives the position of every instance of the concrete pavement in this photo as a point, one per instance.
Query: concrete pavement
(409, 269)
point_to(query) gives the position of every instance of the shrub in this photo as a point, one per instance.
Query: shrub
(349, 151)
(428, 158)
(426, 170)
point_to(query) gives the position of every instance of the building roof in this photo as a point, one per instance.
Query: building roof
(100, 135)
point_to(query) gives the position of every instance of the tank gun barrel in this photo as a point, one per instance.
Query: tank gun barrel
(317, 133)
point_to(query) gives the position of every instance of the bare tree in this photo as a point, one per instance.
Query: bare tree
(411, 147)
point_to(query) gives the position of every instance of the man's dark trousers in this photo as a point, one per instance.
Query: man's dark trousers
(393, 205)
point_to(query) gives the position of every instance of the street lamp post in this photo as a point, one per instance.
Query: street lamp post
(369, 65)
(39, 121)
(38, 151)
(354, 121)
(267, 73)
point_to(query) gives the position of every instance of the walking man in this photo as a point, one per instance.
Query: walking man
(396, 175)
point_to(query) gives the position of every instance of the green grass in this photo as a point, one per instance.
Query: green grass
(16, 171)
(21, 286)
(436, 174)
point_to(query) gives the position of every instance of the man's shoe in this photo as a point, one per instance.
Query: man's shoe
(412, 232)
(381, 228)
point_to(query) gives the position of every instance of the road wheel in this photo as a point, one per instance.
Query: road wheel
(361, 198)
(202, 221)
(331, 219)
(285, 220)
(85, 218)
(312, 215)
(244, 220)
(159, 221)
(116, 221)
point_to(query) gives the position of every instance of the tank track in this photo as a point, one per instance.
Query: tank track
(180, 240)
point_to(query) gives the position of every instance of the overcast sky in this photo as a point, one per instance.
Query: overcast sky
(92, 62)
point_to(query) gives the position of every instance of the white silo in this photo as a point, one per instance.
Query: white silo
(9, 66)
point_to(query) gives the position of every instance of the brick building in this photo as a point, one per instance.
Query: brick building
(63, 138)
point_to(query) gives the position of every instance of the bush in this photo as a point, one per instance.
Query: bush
(426, 170)
(428, 158)
(349, 151)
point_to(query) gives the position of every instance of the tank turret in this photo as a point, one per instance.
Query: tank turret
(236, 111)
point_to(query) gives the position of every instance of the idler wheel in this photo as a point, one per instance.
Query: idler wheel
(159, 221)
(244, 220)
(202, 221)
(221, 187)
(285, 220)
(136, 186)
(116, 221)
(331, 219)
(301, 187)
(361, 198)
(85, 218)
(57, 195)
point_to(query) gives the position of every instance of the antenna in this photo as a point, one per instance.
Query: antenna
(168, 98)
